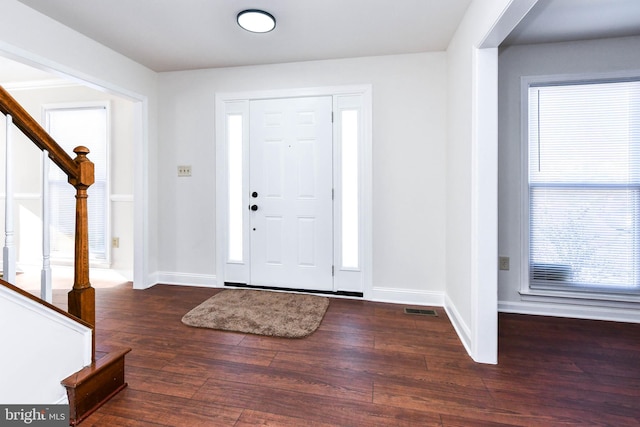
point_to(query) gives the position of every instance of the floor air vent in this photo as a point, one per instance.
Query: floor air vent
(420, 312)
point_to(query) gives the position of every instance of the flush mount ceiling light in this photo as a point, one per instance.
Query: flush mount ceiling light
(256, 21)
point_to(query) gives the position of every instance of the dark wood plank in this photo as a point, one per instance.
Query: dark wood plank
(369, 364)
(312, 407)
(255, 418)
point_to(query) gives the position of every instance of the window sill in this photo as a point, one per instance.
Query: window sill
(93, 263)
(581, 298)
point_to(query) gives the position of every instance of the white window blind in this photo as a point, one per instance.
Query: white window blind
(584, 186)
(71, 127)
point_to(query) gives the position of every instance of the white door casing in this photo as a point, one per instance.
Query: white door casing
(290, 181)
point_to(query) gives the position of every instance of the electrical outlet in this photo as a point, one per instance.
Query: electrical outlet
(115, 242)
(503, 262)
(184, 170)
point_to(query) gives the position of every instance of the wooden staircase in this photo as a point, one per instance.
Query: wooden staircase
(92, 386)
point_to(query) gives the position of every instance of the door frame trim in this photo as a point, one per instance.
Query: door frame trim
(221, 196)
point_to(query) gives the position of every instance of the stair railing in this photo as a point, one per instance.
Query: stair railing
(80, 173)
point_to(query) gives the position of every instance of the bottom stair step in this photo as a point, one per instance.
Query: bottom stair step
(91, 387)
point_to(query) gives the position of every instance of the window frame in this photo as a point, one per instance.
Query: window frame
(106, 105)
(545, 293)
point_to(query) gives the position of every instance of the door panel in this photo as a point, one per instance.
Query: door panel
(291, 165)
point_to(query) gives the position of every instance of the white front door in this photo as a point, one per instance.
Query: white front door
(291, 185)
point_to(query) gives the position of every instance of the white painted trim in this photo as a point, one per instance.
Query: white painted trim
(407, 296)
(223, 110)
(578, 311)
(462, 329)
(293, 93)
(64, 400)
(45, 109)
(38, 196)
(38, 84)
(141, 273)
(28, 58)
(510, 17)
(22, 196)
(221, 99)
(127, 198)
(9, 249)
(348, 278)
(153, 279)
(367, 194)
(588, 298)
(560, 79)
(380, 294)
(185, 279)
(524, 185)
(46, 291)
(484, 227)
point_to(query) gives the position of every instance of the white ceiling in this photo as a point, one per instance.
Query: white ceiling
(168, 35)
(570, 20)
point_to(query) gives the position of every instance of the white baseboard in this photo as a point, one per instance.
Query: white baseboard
(151, 280)
(571, 310)
(185, 279)
(64, 400)
(379, 294)
(462, 329)
(407, 296)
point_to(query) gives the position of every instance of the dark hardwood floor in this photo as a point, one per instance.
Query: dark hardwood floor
(368, 364)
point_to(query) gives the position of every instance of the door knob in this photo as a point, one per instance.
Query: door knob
(254, 207)
(254, 194)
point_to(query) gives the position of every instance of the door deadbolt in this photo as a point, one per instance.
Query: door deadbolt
(254, 194)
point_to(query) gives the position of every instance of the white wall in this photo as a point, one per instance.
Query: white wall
(57, 48)
(39, 351)
(594, 56)
(409, 119)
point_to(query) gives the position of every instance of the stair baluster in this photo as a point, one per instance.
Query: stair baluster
(9, 250)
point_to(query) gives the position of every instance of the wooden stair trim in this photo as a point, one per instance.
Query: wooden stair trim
(92, 386)
(32, 130)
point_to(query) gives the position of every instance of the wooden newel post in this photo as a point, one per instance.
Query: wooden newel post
(82, 296)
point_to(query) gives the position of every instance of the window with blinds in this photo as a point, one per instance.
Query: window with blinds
(584, 186)
(71, 127)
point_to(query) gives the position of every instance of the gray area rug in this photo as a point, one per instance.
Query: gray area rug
(277, 314)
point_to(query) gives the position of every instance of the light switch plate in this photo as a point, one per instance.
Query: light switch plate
(184, 170)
